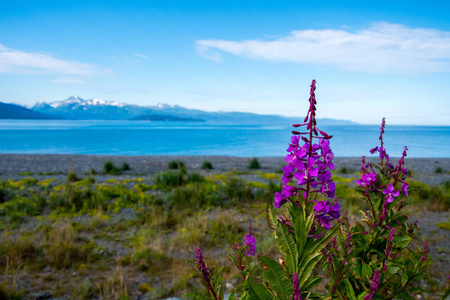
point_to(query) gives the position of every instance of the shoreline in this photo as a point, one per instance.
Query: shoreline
(424, 169)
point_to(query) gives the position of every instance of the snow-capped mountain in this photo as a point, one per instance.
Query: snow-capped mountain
(89, 109)
(75, 101)
(96, 109)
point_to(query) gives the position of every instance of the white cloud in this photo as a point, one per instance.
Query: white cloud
(139, 55)
(68, 81)
(16, 61)
(383, 48)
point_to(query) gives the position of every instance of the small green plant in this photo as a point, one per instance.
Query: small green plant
(343, 170)
(176, 164)
(254, 164)
(72, 177)
(207, 165)
(169, 179)
(439, 170)
(125, 167)
(110, 169)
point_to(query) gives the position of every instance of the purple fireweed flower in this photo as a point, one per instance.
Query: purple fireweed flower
(404, 188)
(308, 163)
(201, 266)
(373, 285)
(366, 179)
(306, 171)
(296, 285)
(324, 213)
(280, 199)
(251, 242)
(294, 143)
(324, 221)
(328, 189)
(390, 193)
(328, 155)
(424, 252)
(322, 207)
(373, 150)
(288, 173)
(334, 211)
(296, 156)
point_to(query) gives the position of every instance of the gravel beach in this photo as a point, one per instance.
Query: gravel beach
(424, 169)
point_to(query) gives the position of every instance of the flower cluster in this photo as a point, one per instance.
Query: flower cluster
(309, 164)
(295, 284)
(325, 212)
(373, 285)
(251, 242)
(202, 268)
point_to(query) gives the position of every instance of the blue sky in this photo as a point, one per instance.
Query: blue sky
(371, 59)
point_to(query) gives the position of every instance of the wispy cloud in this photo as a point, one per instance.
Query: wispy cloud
(16, 61)
(382, 48)
(139, 55)
(68, 81)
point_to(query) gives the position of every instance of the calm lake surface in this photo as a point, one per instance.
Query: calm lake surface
(176, 138)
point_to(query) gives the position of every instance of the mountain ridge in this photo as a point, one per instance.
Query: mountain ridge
(95, 109)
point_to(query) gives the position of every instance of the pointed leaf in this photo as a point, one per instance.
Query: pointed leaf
(274, 274)
(311, 282)
(350, 291)
(307, 266)
(257, 291)
(271, 217)
(287, 246)
(319, 244)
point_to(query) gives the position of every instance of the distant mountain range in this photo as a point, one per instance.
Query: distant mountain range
(13, 111)
(75, 108)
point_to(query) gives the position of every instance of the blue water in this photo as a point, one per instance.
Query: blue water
(175, 138)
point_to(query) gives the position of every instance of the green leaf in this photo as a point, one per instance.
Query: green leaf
(302, 227)
(274, 274)
(361, 296)
(234, 260)
(349, 288)
(404, 296)
(311, 282)
(193, 296)
(419, 277)
(358, 269)
(393, 269)
(257, 291)
(271, 217)
(366, 271)
(319, 244)
(287, 246)
(307, 266)
(402, 241)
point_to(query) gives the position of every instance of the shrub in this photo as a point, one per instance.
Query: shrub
(439, 170)
(343, 170)
(125, 167)
(195, 178)
(176, 164)
(207, 165)
(111, 169)
(14, 251)
(236, 191)
(61, 248)
(71, 177)
(254, 164)
(167, 180)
